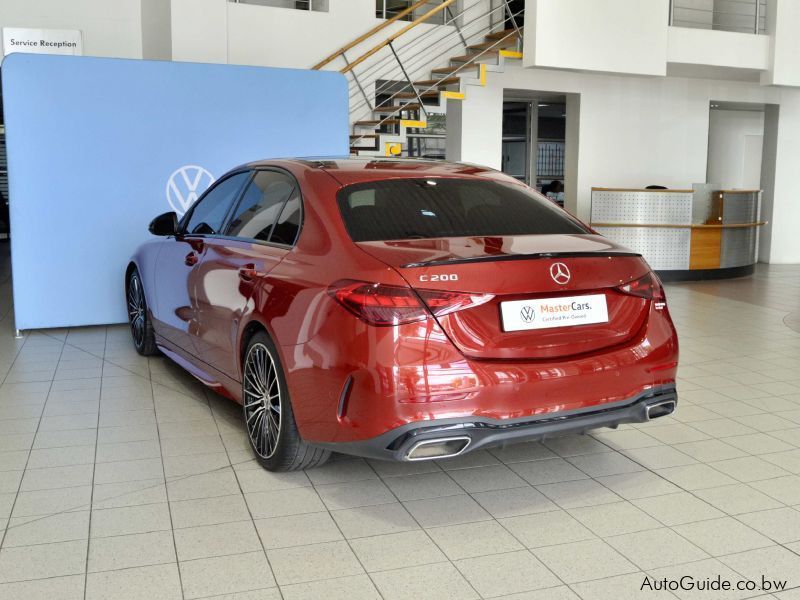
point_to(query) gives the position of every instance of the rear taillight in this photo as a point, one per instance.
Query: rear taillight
(444, 303)
(380, 304)
(647, 286)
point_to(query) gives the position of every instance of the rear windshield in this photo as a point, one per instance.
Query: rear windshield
(403, 209)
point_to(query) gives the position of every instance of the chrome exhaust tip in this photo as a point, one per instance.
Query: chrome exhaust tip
(659, 409)
(438, 448)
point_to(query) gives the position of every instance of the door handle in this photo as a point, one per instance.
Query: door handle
(191, 259)
(248, 272)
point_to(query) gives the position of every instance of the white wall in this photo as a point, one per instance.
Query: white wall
(636, 131)
(284, 46)
(633, 37)
(109, 28)
(625, 36)
(199, 30)
(156, 30)
(475, 128)
(717, 48)
(221, 31)
(783, 17)
(727, 148)
(784, 244)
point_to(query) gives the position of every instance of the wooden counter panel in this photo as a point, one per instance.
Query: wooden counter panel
(706, 248)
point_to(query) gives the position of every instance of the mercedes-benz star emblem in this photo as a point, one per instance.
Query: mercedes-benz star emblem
(560, 273)
(185, 185)
(527, 314)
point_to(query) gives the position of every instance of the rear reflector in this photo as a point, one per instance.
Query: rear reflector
(380, 304)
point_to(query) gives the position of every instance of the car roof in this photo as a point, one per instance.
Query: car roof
(354, 170)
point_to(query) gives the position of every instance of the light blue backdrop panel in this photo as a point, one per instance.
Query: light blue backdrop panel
(95, 151)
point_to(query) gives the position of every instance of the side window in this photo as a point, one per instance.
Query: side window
(261, 205)
(209, 212)
(288, 225)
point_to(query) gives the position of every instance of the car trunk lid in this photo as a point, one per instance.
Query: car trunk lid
(552, 295)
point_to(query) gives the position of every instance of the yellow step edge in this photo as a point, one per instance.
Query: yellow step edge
(453, 95)
(510, 53)
(410, 123)
(482, 70)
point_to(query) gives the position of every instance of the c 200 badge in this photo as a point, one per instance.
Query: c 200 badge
(442, 277)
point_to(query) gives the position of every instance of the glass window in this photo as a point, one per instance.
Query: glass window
(288, 225)
(260, 206)
(208, 214)
(402, 209)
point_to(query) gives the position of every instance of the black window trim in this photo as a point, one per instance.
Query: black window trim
(238, 201)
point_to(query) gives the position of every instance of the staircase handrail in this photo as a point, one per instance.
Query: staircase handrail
(417, 59)
(468, 27)
(418, 21)
(455, 71)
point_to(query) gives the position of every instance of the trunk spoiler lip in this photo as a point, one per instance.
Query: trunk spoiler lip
(533, 256)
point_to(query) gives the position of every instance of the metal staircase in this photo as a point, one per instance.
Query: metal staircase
(400, 86)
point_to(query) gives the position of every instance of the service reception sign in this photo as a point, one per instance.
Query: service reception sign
(42, 41)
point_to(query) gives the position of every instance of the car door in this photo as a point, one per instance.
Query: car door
(179, 260)
(261, 231)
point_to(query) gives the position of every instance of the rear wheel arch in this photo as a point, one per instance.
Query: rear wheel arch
(255, 323)
(139, 314)
(128, 270)
(248, 332)
(250, 329)
(289, 452)
(133, 266)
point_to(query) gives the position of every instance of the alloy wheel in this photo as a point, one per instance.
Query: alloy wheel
(136, 311)
(262, 400)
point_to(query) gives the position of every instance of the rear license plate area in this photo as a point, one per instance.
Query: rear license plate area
(547, 313)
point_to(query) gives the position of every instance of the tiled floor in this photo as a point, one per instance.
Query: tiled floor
(121, 477)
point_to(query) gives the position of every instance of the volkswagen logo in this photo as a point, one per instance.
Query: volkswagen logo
(185, 185)
(527, 314)
(560, 273)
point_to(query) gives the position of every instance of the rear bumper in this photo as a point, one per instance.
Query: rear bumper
(402, 443)
(356, 383)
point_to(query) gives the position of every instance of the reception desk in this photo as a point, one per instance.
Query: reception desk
(703, 233)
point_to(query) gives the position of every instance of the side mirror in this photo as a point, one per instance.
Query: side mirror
(166, 224)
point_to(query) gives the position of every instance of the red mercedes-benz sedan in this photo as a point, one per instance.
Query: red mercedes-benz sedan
(402, 310)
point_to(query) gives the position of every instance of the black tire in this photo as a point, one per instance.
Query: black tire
(265, 399)
(144, 339)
